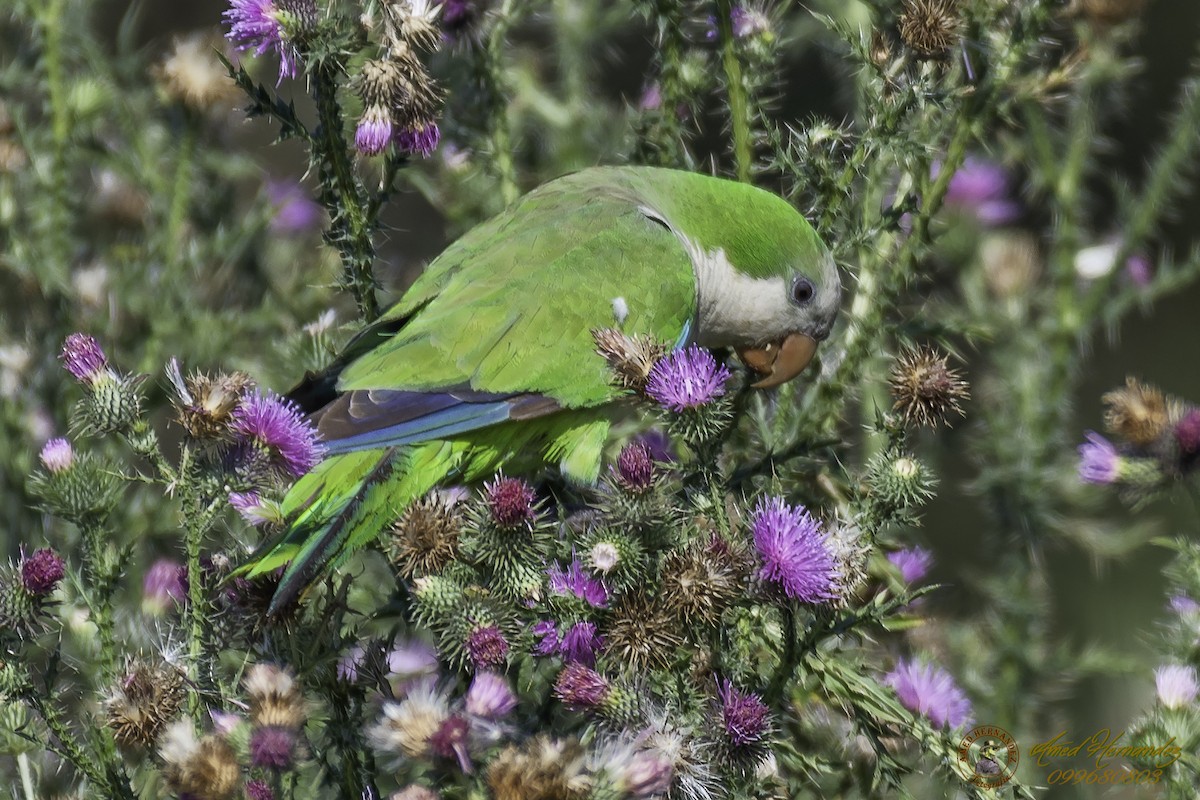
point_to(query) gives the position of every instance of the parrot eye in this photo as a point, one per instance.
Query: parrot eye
(802, 291)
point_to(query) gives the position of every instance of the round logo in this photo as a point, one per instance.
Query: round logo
(988, 757)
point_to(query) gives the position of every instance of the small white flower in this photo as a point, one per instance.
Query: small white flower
(1176, 684)
(620, 310)
(1096, 262)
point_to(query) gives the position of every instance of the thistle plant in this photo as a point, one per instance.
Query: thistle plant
(741, 601)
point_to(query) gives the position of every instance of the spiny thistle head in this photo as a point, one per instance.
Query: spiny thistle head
(899, 481)
(41, 572)
(380, 85)
(425, 539)
(540, 769)
(746, 719)
(276, 429)
(930, 691)
(1137, 413)
(274, 697)
(925, 389)
(57, 456)
(794, 551)
(205, 768)
(84, 359)
(641, 633)
(687, 379)
(631, 358)
(635, 468)
(930, 28)
(405, 727)
(699, 583)
(143, 701)
(204, 404)
(86, 491)
(510, 501)
(487, 647)
(22, 613)
(262, 25)
(581, 688)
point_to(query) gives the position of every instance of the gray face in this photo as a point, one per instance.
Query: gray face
(815, 295)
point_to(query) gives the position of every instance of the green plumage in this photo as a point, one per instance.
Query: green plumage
(508, 309)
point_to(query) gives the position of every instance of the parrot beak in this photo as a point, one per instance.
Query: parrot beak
(779, 361)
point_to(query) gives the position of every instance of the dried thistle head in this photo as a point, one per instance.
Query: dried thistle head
(700, 582)
(206, 768)
(425, 538)
(143, 701)
(540, 769)
(925, 389)
(1137, 413)
(413, 23)
(274, 697)
(406, 727)
(631, 358)
(641, 633)
(204, 404)
(930, 28)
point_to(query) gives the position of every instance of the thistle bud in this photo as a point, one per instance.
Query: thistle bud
(581, 688)
(930, 28)
(41, 572)
(899, 481)
(635, 468)
(437, 596)
(83, 358)
(380, 86)
(143, 701)
(112, 406)
(487, 647)
(510, 501)
(22, 612)
(925, 389)
(1136, 413)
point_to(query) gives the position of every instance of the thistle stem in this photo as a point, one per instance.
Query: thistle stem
(735, 87)
(180, 194)
(502, 160)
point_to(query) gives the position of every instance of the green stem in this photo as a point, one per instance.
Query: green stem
(179, 193)
(342, 194)
(735, 87)
(493, 72)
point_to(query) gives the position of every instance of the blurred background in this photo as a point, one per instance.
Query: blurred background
(1115, 601)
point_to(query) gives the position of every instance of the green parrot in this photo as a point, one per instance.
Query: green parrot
(489, 359)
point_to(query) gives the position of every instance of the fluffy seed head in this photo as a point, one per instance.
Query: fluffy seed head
(425, 539)
(631, 358)
(1136, 413)
(143, 701)
(405, 727)
(925, 389)
(206, 769)
(540, 769)
(192, 75)
(930, 28)
(275, 699)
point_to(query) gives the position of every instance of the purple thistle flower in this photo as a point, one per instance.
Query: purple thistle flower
(794, 551)
(913, 562)
(510, 501)
(487, 647)
(1183, 605)
(272, 747)
(162, 587)
(374, 131)
(421, 139)
(581, 687)
(411, 660)
(279, 425)
(252, 508)
(746, 717)
(295, 210)
(224, 722)
(450, 741)
(83, 358)
(490, 696)
(1098, 460)
(580, 643)
(1187, 432)
(980, 188)
(547, 633)
(42, 571)
(687, 378)
(1139, 270)
(929, 691)
(259, 790)
(635, 468)
(745, 23)
(575, 581)
(57, 455)
(1176, 685)
(257, 25)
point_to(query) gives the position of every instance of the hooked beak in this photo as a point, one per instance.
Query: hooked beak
(779, 361)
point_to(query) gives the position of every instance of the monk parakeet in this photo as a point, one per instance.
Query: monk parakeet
(489, 359)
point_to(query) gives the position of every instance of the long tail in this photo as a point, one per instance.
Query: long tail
(345, 503)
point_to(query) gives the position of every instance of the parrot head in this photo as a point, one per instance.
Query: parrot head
(766, 285)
